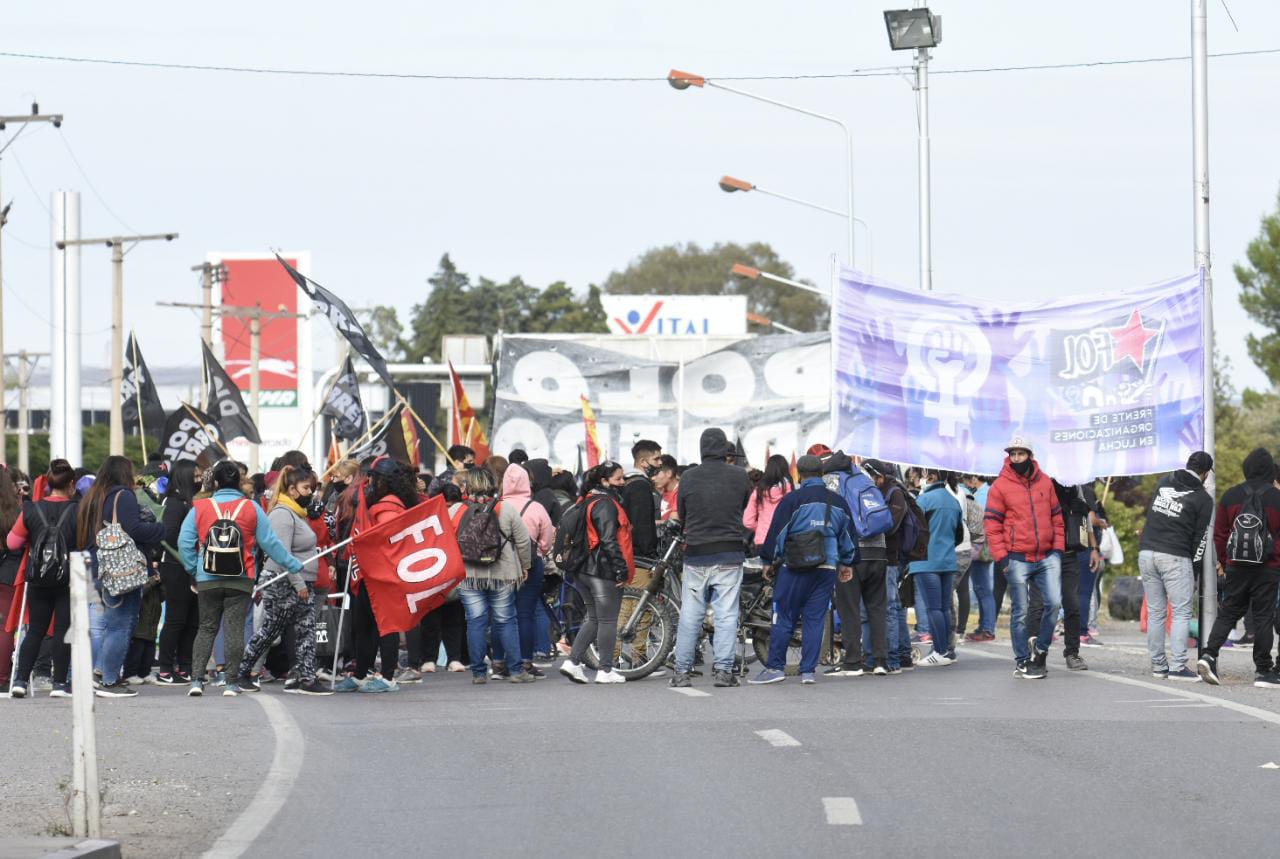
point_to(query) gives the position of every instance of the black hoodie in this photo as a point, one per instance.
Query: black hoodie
(1178, 518)
(540, 484)
(711, 499)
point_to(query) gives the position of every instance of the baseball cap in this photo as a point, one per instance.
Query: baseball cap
(1020, 443)
(809, 464)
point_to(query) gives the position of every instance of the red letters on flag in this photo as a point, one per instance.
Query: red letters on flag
(409, 564)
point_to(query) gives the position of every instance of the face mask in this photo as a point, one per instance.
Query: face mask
(650, 470)
(1022, 468)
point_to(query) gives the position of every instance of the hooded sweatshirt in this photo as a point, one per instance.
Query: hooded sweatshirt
(516, 491)
(710, 501)
(1259, 471)
(1023, 519)
(540, 485)
(1178, 518)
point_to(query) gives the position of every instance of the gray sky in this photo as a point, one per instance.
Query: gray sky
(1044, 182)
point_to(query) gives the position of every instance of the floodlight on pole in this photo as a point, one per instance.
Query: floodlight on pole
(683, 80)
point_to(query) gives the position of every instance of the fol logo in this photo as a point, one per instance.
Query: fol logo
(1096, 352)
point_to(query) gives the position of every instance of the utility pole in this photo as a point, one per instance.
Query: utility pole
(209, 275)
(5, 121)
(926, 233)
(116, 243)
(26, 364)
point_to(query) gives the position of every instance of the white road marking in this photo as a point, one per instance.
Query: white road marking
(1270, 766)
(841, 811)
(1144, 700)
(777, 739)
(693, 693)
(1180, 705)
(286, 763)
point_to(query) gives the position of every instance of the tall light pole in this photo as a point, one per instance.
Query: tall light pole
(683, 80)
(116, 243)
(731, 184)
(35, 116)
(918, 30)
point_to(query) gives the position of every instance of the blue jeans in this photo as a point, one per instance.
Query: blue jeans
(120, 616)
(982, 578)
(719, 584)
(804, 597)
(479, 605)
(922, 613)
(1046, 575)
(97, 628)
(896, 628)
(528, 598)
(935, 589)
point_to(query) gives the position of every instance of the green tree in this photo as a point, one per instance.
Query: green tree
(692, 270)
(95, 443)
(382, 324)
(442, 313)
(1260, 294)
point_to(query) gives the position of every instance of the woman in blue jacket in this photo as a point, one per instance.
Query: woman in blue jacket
(934, 577)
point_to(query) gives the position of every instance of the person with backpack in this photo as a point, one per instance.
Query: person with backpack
(605, 569)
(810, 544)
(1173, 540)
(934, 575)
(118, 535)
(217, 544)
(516, 492)
(1245, 537)
(902, 543)
(638, 496)
(181, 612)
(496, 553)
(863, 596)
(775, 483)
(1025, 528)
(47, 528)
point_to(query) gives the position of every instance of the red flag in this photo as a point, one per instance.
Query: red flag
(594, 451)
(466, 427)
(409, 564)
(411, 442)
(795, 472)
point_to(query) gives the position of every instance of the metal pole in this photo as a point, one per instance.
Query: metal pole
(24, 413)
(117, 346)
(922, 95)
(1200, 185)
(206, 295)
(255, 380)
(848, 139)
(86, 801)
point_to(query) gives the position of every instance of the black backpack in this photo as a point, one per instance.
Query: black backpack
(808, 549)
(48, 565)
(1250, 543)
(572, 546)
(479, 538)
(224, 544)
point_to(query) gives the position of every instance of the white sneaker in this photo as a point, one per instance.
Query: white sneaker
(573, 672)
(933, 660)
(456, 667)
(135, 680)
(609, 677)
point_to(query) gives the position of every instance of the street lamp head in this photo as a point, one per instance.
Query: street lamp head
(913, 28)
(168, 237)
(684, 80)
(729, 184)
(745, 271)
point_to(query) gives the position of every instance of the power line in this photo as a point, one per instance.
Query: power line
(93, 187)
(878, 71)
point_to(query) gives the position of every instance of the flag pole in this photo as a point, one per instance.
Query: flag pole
(369, 432)
(318, 555)
(342, 616)
(427, 430)
(206, 428)
(137, 396)
(323, 400)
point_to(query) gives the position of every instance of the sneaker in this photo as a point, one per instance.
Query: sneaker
(534, 671)
(373, 683)
(544, 660)
(1020, 667)
(1270, 680)
(323, 674)
(1089, 641)
(60, 690)
(246, 684)
(292, 684)
(479, 679)
(170, 678)
(974, 637)
(41, 683)
(137, 680)
(725, 679)
(1245, 641)
(456, 667)
(1033, 670)
(767, 675)
(934, 660)
(408, 675)
(119, 689)
(427, 668)
(231, 690)
(609, 676)
(18, 691)
(843, 671)
(808, 677)
(346, 684)
(313, 687)
(1075, 663)
(526, 677)
(950, 656)
(921, 638)
(1184, 674)
(220, 678)
(1160, 673)
(196, 690)
(573, 671)
(499, 669)
(1207, 668)
(895, 670)
(907, 665)
(658, 672)
(879, 671)
(680, 680)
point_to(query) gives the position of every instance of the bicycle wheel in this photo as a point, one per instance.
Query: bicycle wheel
(642, 646)
(566, 613)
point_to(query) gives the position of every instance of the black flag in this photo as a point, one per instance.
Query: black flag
(344, 406)
(225, 403)
(387, 441)
(341, 318)
(190, 434)
(138, 391)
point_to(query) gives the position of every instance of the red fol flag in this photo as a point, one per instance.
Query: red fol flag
(409, 564)
(594, 451)
(466, 427)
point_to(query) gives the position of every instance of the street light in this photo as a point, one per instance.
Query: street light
(681, 80)
(732, 184)
(918, 30)
(752, 273)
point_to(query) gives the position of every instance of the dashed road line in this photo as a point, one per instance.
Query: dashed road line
(841, 811)
(692, 693)
(778, 739)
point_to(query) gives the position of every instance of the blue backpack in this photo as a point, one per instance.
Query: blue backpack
(871, 515)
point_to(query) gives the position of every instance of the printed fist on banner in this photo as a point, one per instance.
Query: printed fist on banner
(951, 360)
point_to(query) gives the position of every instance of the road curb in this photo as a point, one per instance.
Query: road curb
(59, 848)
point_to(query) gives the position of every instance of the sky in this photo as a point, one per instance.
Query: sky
(1045, 182)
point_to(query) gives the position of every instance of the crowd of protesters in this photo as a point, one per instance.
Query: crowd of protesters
(177, 556)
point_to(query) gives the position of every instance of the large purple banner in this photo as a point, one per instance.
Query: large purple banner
(1101, 384)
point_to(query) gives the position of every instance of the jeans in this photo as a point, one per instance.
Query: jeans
(601, 599)
(934, 589)
(718, 583)
(1069, 589)
(863, 595)
(528, 598)
(1168, 582)
(97, 628)
(804, 597)
(1046, 575)
(982, 578)
(119, 618)
(896, 630)
(479, 605)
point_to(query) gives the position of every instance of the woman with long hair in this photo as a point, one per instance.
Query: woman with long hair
(610, 565)
(10, 510)
(112, 500)
(181, 608)
(775, 483)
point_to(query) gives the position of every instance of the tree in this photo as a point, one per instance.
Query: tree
(691, 270)
(441, 313)
(1260, 294)
(382, 324)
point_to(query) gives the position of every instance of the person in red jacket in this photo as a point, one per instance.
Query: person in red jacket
(1025, 531)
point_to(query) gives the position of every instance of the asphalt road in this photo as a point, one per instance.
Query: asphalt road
(963, 759)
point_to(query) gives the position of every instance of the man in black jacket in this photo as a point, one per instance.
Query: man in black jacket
(709, 504)
(1173, 539)
(638, 498)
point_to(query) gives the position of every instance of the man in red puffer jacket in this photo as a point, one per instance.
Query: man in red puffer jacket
(1026, 532)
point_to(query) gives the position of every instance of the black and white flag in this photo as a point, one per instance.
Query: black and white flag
(341, 318)
(140, 400)
(190, 435)
(388, 440)
(225, 403)
(344, 406)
